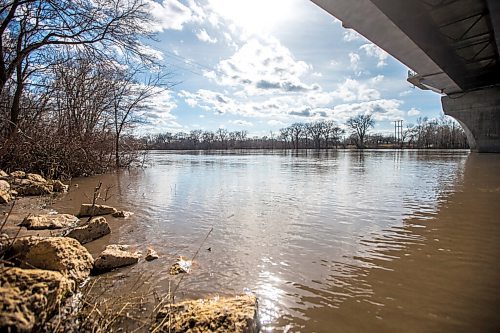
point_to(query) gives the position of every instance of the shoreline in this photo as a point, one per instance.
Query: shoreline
(61, 260)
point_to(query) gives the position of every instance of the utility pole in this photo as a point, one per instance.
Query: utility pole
(398, 131)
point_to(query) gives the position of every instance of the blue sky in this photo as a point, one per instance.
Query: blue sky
(261, 65)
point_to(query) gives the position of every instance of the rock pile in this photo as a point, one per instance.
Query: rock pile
(27, 184)
(49, 269)
(45, 270)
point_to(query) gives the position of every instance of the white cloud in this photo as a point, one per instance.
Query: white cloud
(353, 90)
(317, 74)
(199, 13)
(351, 35)
(205, 37)
(256, 17)
(377, 79)
(413, 112)
(373, 50)
(242, 123)
(151, 52)
(382, 110)
(405, 93)
(158, 115)
(282, 109)
(169, 14)
(354, 60)
(276, 123)
(262, 66)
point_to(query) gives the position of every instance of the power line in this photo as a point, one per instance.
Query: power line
(193, 63)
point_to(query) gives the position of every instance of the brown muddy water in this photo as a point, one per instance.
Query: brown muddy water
(374, 241)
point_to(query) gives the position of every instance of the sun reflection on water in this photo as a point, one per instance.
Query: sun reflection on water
(270, 296)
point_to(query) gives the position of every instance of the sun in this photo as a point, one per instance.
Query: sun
(256, 16)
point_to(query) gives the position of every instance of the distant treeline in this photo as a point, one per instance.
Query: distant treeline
(442, 133)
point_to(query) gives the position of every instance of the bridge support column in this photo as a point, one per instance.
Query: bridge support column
(479, 114)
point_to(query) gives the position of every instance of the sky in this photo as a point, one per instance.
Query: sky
(262, 65)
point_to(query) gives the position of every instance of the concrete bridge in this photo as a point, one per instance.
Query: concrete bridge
(451, 46)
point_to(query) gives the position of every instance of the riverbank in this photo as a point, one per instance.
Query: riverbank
(48, 273)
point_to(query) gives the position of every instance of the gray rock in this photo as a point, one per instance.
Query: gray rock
(49, 221)
(151, 255)
(114, 256)
(89, 210)
(96, 228)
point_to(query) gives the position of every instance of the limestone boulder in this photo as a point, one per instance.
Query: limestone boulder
(18, 174)
(49, 221)
(62, 254)
(59, 187)
(31, 188)
(3, 174)
(35, 177)
(221, 314)
(122, 214)
(151, 255)
(181, 266)
(115, 256)
(28, 297)
(96, 228)
(95, 210)
(4, 243)
(5, 194)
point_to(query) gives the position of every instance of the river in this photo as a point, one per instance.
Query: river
(330, 241)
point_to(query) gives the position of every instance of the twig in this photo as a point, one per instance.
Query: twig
(171, 296)
(192, 259)
(7, 216)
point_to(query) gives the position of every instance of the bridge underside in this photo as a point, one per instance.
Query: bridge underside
(451, 46)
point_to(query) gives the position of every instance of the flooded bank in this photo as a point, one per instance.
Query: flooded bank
(378, 241)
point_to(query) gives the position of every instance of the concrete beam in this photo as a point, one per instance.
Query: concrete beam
(478, 112)
(414, 20)
(494, 10)
(371, 22)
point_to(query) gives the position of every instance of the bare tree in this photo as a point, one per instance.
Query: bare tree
(131, 95)
(317, 131)
(332, 133)
(285, 135)
(32, 30)
(296, 129)
(222, 135)
(359, 126)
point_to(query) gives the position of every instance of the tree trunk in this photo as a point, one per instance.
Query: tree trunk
(117, 150)
(16, 102)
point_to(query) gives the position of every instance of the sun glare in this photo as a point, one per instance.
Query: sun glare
(256, 16)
